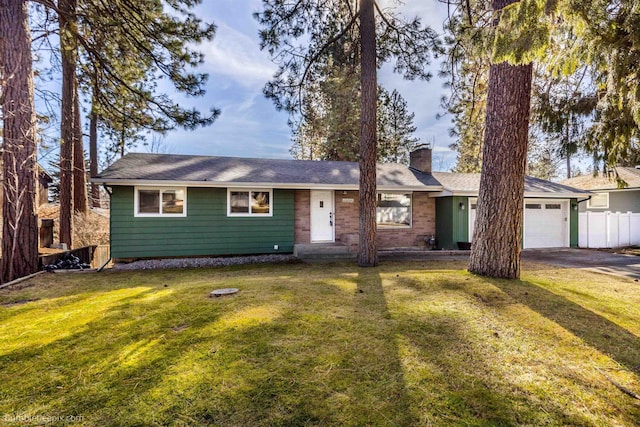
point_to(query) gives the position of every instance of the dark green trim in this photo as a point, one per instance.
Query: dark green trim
(205, 231)
(452, 223)
(574, 226)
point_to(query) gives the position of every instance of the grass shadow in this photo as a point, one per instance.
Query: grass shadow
(597, 331)
(458, 366)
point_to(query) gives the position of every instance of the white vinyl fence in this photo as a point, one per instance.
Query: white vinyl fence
(608, 229)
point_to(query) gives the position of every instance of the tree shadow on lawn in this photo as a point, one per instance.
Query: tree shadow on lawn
(246, 360)
(333, 363)
(271, 355)
(454, 363)
(597, 331)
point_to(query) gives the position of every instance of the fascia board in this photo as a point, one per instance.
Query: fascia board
(292, 186)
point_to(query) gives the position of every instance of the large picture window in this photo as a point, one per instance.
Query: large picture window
(393, 210)
(243, 202)
(160, 202)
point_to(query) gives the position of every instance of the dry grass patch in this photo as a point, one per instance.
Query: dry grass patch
(403, 344)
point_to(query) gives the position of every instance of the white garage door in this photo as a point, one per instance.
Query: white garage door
(546, 223)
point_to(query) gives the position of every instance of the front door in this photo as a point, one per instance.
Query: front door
(322, 221)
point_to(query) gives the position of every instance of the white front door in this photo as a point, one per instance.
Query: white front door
(322, 221)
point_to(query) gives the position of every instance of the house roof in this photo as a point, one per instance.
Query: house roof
(606, 182)
(162, 169)
(208, 171)
(468, 184)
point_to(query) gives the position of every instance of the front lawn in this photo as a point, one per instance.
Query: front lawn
(421, 343)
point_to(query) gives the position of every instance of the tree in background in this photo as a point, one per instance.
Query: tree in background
(69, 94)
(585, 90)
(120, 69)
(299, 37)
(328, 128)
(466, 67)
(20, 223)
(395, 128)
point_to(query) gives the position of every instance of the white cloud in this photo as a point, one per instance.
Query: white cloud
(236, 56)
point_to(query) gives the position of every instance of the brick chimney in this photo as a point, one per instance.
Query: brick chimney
(420, 159)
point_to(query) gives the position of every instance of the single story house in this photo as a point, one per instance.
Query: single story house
(610, 217)
(177, 205)
(606, 196)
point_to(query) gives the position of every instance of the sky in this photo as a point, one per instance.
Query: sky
(250, 126)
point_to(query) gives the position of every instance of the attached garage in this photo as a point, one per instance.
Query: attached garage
(550, 211)
(546, 223)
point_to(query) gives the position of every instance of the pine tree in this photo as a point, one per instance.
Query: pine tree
(20, 223)
(299, 36)
(498, 230)
(395, 128)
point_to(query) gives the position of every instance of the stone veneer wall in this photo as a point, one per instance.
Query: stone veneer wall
(302, 216)
(423, 222)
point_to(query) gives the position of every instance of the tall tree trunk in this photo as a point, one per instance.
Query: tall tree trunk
(20, 222)
(367, 253)
(497, 238)
(79, 172)
(69, 55)
(93, 157)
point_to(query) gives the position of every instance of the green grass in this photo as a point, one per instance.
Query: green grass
(422, 343)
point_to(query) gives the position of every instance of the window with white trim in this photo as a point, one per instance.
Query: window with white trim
(150, 202)
(598, 201)
(393, 210)
(254, 202)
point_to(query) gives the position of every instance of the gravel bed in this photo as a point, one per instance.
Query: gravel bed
(151, 264)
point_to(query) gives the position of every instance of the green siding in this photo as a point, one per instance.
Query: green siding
(206, 230)
(452, 223)
(573, 223)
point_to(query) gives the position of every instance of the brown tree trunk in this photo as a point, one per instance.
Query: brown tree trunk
(367, 253)
(68, 51)
(79, 172)
(497, 238)
(93, 158)
(20, 222)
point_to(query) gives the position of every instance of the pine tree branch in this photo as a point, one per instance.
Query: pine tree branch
(319, 53)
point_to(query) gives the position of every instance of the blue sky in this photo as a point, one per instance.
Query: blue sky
(249, 125)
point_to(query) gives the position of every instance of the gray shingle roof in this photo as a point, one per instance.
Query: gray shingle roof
(467, 183)
(229, 171)
(602, 182)
(239, 171)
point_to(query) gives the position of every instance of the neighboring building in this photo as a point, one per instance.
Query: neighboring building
(610, 217)
(175, 205)
(607, 196)
(42, 188)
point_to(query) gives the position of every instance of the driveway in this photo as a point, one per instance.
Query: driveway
(587, 259)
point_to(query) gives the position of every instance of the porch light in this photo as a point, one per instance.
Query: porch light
(462, 206)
